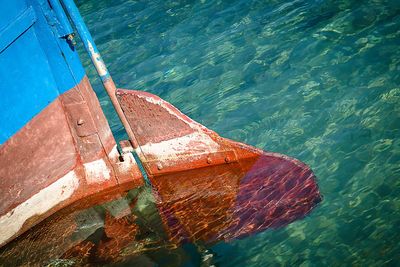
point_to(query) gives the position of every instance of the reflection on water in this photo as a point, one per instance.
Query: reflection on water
(197, 207)
(222, 203)
(94, 235)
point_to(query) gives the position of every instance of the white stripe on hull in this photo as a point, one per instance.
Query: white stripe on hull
(12, 222)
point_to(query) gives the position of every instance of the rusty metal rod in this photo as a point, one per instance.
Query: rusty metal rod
(98, 63)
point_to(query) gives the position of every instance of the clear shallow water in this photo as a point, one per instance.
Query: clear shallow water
(316, 80)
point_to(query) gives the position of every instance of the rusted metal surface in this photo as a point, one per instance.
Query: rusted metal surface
(204, 205)
(98, 62)
(109, 85)
(126, 146)
(167, 140)
(99, 119)
(206, 188)
(56, 160)
(209, 187)
(25, 158)
(79, 113)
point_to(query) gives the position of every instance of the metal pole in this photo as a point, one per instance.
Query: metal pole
(98, 62)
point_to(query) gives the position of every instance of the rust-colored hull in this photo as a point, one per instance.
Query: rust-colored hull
(204, 189)
(208, 187)
(64, 154)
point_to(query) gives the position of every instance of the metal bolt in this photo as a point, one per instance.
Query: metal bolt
(159, 166)
(80, 122)
(71, 39)
(227, 159)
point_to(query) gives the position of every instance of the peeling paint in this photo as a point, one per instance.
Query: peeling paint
(173, 111)
(97, 61)
(114, 154)
(127, 164)
(97, 171)
(12, 222)
(194, 143)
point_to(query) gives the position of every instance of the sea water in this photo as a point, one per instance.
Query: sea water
(316, 80)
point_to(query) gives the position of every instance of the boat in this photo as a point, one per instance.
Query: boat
(57, 147)
(58, 155)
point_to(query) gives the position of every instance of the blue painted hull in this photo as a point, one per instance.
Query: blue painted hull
(37, 62)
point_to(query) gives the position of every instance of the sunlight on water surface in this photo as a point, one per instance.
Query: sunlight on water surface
(317, 80)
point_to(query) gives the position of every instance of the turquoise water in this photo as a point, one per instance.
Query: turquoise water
(316, 80)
